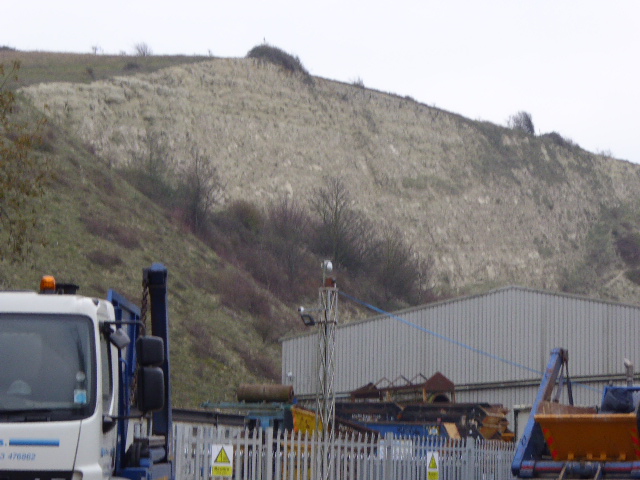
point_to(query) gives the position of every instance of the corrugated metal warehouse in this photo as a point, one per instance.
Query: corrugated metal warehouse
(494, 347)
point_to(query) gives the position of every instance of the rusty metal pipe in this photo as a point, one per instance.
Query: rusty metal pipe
(265, 393)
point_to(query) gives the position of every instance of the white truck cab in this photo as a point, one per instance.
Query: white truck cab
(66, 388)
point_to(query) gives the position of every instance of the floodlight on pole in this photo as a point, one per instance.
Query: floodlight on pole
(306, 317)
(326, 320)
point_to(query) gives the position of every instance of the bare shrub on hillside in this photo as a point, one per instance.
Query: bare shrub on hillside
(124, 236)
(358, 82)
(243, 224)
(104, 259)
(394, 276)
(289, 233)
(204, 277)
(238, 292)
(289, 220)
(201, 343)
(258, 363)
(263, 267)
(521, 121)
(271, 245)
(247, 215)
(270, 329)
(234, 229)
(227, 235)
(46, 141)
(275, 247)
(394, 266)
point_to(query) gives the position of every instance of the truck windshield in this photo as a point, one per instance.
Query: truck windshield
(48, 372)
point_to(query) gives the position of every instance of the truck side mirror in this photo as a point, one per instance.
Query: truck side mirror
(150, 389)
(150, 351)
(118, 337)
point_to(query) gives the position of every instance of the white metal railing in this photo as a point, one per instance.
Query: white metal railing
(261, 454)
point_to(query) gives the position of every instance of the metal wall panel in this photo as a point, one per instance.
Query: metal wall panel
(504, 335)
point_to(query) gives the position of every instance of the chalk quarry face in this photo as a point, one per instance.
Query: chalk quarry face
(491, 206)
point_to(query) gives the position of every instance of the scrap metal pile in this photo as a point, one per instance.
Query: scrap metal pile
(407, 408)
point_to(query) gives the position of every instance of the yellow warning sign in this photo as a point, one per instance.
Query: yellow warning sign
(221, 463)
(433, 466)
(222, 457)
(222, 471)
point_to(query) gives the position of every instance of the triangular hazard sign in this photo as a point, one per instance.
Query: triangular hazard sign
(432, 462)
(222, 457)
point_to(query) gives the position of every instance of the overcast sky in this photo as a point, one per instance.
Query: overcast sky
(574, 65)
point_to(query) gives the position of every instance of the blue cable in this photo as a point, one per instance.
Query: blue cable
(451, 340)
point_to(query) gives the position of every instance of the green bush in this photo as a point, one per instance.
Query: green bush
(279, 57)
(559, 140)
(246, 214)
(634, 276)
(628, 247)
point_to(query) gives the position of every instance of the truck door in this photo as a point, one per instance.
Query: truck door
(109, 357)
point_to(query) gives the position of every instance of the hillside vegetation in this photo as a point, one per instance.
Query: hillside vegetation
(479, 204)
(96, 230)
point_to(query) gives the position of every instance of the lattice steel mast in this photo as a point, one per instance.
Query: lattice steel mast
(327, 321)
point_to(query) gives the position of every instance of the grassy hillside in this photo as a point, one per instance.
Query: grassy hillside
(47, 67)
(96, 230)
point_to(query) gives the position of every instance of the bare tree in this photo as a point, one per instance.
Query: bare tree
(153, 160)
(150, 169)
(522, 121)
(289, 219)
(342, 232)
(142, 49)
(289, 226)
(200, 188)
